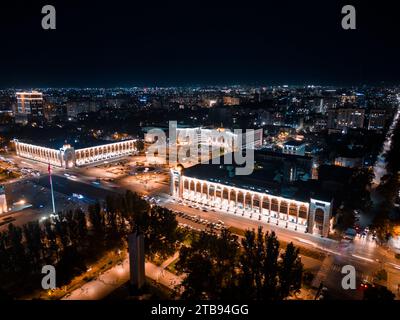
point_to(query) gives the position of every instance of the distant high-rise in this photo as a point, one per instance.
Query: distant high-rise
(377, 119)
(231, 101)
(346, 118)
(29, 107)
(3, 201)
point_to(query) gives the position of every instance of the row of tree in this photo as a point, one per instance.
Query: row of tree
(73, 239)
(220, 267)
(388, 190)
(354, 195)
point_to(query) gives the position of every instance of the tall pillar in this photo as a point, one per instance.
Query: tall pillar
(136, 260)
(287, 211)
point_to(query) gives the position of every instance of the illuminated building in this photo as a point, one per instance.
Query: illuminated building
(29, 107)
(377, 120)
(294, 147)
(344, 118)
(67, 156)
(231, 101)
(207, 142)
(220, 137)
(257, 196)
(3, 201)
(349, 162)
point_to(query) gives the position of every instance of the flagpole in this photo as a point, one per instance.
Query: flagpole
(52, 192)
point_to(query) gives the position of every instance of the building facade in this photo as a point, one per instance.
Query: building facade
(221, 137)
(29, 107)
(312, 216)
(69, 157)
(344, 118)
(377, 119)
(294, 147)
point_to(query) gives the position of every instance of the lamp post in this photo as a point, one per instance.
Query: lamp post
(51, 187)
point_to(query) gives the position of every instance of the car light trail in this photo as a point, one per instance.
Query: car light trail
(362, 258)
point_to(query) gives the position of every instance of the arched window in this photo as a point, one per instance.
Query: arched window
(248, 200)
(219, 193)
(240, 197)
(274, 205)
(284, 207)
(293, 209)
(256, 201)
(266, 203)
(233, 195)
(204, 188)
(303, 212)
(225, 193)
(211, 191)
(198, 187)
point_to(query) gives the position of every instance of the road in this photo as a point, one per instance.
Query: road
(380, 165)
(115, 277)
(362, 253)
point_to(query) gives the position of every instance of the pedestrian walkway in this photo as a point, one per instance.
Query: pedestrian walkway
(113, 278)
(323, 271)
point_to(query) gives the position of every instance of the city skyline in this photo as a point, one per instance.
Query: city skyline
(175, 152)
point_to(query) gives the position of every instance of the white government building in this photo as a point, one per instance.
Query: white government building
(219, 137)
(215, 186)
(68, 157)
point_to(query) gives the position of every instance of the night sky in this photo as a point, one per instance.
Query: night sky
(166, 43)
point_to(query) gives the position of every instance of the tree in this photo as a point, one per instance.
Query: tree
(81, 225)
(382, 224)
(35, 247)
(345, 219)
(270, 266)
(4, 256)
(61, 229)
(140, 145)
(198, 267)
(209, 264)
(136, 211)
(51, 241)
(17, 250)
(290, 272)
(162, 234)
(96, 218)
(378, 293)
(215, 268)
(251, 263)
